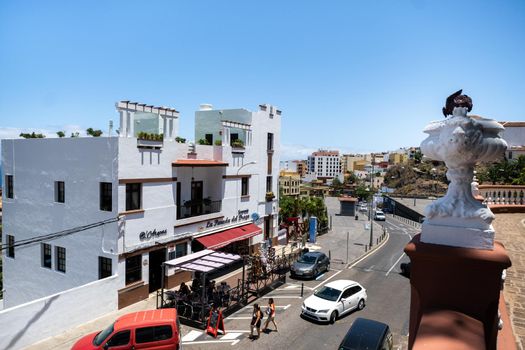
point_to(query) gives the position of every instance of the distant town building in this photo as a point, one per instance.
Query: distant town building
(348, 162)
(514, 134)
(124, 205)
(324, 164)
(289, 183)
(301, 167)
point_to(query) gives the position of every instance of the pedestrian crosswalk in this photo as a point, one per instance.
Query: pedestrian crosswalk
(201, 337)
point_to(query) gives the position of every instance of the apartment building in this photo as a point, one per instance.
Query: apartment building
(290, 183)
(324, 164)
(123, 205)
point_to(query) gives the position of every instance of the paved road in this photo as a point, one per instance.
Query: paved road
(388, 301)
(388, 294)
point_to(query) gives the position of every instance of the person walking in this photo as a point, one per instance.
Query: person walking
(270, 311)
(256, 321)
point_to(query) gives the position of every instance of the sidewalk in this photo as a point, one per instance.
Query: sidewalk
(334, 243)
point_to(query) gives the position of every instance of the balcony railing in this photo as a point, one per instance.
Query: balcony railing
(204, 207)
(503, 194)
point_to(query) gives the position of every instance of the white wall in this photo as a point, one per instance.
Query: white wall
(82, 163)
(514, 135)
(29, 323)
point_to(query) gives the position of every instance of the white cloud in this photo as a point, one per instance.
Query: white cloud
(295, 152)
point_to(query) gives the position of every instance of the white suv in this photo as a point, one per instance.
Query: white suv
(379, 216)
(333, 300)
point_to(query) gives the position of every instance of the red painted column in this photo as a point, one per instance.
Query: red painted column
(455, 291)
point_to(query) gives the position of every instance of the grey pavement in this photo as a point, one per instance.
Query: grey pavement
(288, 297)
(416, 204)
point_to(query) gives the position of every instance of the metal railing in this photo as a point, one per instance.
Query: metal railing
(196, 209)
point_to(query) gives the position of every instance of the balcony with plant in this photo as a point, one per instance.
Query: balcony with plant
(270, 196)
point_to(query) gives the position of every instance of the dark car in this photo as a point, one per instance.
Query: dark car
(310, 265)
(367, 334)
(405, 269)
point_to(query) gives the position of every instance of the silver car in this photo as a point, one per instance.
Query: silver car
(310, 265)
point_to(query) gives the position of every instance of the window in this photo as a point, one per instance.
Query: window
(346, 293)
(209, 138)
(60, 191)
(150, 334)
(181, 249)
(106, 196)
(61, 259)
(120, 339)
(46, 255)
(233, 137)
(133, 196)
(104, 267)
(133, 269)
(9, 192)
(244, 186)
(10, 246)
(268, 184)
(269, 143)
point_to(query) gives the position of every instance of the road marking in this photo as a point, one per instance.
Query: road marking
(230, 336)
(395, 226)
(368, 255)
(281, 297)
(210, 342)
(236, 331)
(319, 277)
(277, 306)
(326, 280)
(369, 269)
(239, 317)
(191, 336)
(397, 261)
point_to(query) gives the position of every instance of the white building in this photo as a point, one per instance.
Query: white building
(324, 164)
(170, 198)
(514, 135)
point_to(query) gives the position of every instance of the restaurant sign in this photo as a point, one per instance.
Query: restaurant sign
(147, 235)
(242, 215)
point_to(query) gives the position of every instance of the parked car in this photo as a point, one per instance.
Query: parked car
(152, 329)
(365, 334)
(379, 215)
(334, 299)
(310, 265)
(405, 269)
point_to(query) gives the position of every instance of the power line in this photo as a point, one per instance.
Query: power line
(59, 234)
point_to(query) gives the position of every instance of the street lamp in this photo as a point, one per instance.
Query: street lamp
(370, 207)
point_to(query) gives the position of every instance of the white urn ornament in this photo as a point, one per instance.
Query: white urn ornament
(458, 219)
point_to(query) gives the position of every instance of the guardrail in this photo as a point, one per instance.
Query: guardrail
(407, 221)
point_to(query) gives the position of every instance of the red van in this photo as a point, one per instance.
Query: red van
(152, 330)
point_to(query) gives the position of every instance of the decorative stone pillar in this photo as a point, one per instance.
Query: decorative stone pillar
(458, 219)
(455, 265)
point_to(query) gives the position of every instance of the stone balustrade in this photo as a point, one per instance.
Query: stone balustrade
(502, 194)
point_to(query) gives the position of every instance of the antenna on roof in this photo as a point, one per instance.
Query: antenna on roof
(110, 127)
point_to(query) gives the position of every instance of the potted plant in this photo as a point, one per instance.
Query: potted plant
(237, 143)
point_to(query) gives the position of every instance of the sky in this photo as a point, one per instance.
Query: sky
(357, 76)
